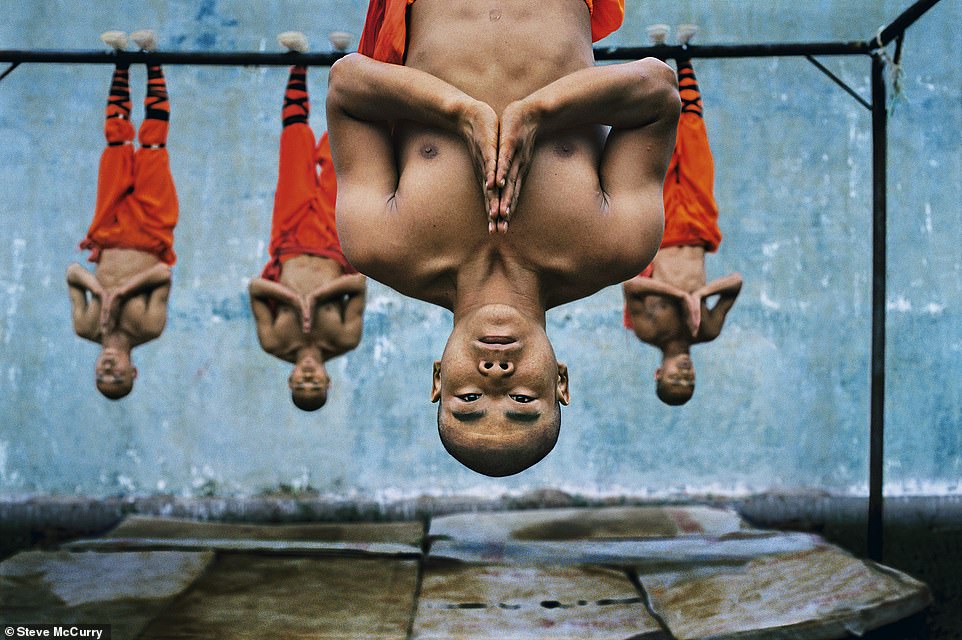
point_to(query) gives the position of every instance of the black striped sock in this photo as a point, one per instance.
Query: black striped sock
(156, 105)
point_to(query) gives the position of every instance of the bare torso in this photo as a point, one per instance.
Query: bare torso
(304, 274)
(486, 50)
(682, 267)
(118, 265)
(141, 316)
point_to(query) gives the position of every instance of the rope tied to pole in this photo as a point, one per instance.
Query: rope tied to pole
(894, 65)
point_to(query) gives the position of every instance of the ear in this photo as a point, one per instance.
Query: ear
(436, 382)
(134, 370)
(562, 393)
(658, 373)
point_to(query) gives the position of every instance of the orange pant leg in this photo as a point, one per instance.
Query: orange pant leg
(153, 203)
(115, 176)
(691, 213)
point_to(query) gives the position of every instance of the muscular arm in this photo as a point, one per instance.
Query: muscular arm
(640, 286)
(261, 291)
(154, 319)
(153, 281)
(639, 100)
(364, 97)
(350, 335)
(727, 289)
(352, 285)
(84, 311)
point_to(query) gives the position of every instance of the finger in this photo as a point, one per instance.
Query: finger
(490, 168)
(516, 196)
(509, 199)
(505, 159)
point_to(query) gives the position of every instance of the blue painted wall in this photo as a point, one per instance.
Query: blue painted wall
(783, 394)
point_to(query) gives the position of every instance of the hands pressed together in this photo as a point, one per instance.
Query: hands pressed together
(501, 149)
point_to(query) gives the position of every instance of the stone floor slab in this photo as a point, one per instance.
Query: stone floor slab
(125, 590)
(485, 602)
(822, 593)
(251, 596)
(655, 554)
(142, 532)
(608, 523)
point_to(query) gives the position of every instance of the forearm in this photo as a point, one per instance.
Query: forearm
(373, 91)
(727, 287)
(625, 96)
(261, 289)
(346, 285)
(640, 286)
(156, 276)
(80, 279)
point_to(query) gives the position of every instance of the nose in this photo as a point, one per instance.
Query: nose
(496, 368)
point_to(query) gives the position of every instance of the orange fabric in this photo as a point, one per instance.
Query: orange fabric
(303, 221)
(136, 199)
(385, 29)
(691, 214)
(606, 17)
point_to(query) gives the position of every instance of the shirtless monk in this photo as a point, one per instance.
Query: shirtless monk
(431, 157)
(308, 303)
(124, 304)
(667, 304)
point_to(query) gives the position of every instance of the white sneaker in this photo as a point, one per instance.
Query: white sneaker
(658, 33)
(340, 40)
(293, 41)
(686, 32)
(116, 40)
(145, 39)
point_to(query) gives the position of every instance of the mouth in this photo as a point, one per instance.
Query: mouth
(497, 343)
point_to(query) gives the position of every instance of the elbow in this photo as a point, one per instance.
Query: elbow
(343, 73)
(660, 86)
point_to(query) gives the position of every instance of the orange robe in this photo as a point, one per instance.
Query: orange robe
(136, 200)
(385, 29)
(303, 221)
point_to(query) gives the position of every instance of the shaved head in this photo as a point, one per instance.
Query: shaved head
(499, 444)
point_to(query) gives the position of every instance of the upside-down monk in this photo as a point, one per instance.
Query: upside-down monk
(475, 172)
(124, 303)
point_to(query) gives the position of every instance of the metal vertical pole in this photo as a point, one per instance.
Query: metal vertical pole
(877, 435)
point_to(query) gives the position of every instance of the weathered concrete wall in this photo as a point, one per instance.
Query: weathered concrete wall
(783, 394)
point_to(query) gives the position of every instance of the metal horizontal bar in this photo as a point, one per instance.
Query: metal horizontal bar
(211, 58)
(760, 50)
(249, 58)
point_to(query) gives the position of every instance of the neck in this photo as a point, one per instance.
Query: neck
(510, 285)
(675, 347)
(309, 350)
(116, 340)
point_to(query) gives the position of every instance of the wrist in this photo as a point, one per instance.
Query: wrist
(468, 115)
